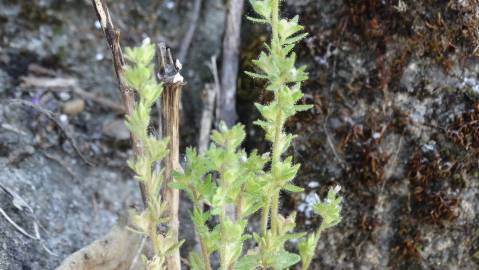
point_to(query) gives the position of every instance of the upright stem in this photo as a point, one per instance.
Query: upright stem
(265, 216)
(204, 250)
(204, 253)
(223, 240)
(274, 25)
(307, 262)
(222, 224)
(276, 158)
(238, 208)
(112, 35)
(170, 104)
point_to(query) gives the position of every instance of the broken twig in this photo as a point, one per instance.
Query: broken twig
(112, 36)
(170, 104)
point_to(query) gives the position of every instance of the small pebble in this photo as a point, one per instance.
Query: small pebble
(74, 107)
(313, 184)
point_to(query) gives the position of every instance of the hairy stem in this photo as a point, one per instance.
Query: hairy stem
(265, 216)
(274, 25)
(204, 251)
(307, 262)
(275, 160)
(223, 218)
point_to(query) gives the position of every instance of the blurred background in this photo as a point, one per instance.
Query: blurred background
(395, 89)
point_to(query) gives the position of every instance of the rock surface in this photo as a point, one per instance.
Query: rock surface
(394, 84)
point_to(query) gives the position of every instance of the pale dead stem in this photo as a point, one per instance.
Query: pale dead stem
(170, 104)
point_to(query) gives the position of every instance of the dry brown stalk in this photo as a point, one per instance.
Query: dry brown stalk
(112, 36)
(170, 114)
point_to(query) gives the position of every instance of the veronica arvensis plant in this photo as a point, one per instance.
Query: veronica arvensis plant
(225, 174)
(277, 65)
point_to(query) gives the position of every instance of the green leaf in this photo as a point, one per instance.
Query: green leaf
(141, 55)
(262, 7)
(330, 208)
(177, 185)
(257, 20)
(256, 75)
(301, 108)
(196, 261)
(248, 262)
(307, 248)
(137, 76)
(295, 39)
(287, 28)
(284, 260)
(285, 172)
(293, 188)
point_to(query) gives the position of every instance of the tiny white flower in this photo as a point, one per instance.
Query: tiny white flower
(337, 188)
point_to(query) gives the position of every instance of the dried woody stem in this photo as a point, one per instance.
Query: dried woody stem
(170, 114)
(112, 36)
(229, 72)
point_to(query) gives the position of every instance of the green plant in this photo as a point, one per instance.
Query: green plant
(225, 175)
(139, 75)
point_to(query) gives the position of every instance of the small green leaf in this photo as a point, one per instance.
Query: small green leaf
(302, 108)
(284, 260)
(248, 262)
(177, 185)
(262, 7)
(257, 20)
(293, 188)
(196, 261)
(256, 75)
(295, 39)
(330, 208)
